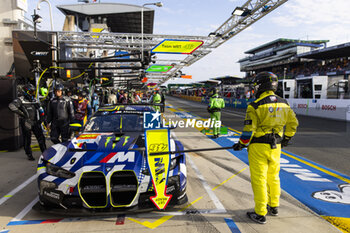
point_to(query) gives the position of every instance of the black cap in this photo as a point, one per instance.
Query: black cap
(59, 87)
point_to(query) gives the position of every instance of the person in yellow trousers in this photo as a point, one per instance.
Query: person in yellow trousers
(215, 105)
(264, 135)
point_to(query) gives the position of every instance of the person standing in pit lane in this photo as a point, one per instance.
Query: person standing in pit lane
(60, 114)
(135, 99)
(112, 97)
(31, 116)
(157, 99)
(124, 98)
(69, 92)
(95, 102)
(162, 101)
(264, 135)
(120, 96)
(82, 108)
(216, 103)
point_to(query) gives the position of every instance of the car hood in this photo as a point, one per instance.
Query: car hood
(96, 149)
(106, 142)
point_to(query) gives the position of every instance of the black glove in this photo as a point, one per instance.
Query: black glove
(238, 146)
(28, 124)
(285, 141)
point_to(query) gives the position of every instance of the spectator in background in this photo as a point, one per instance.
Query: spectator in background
(150, 97)
(124, 98)
(247, 95)
(135, 98)
(82, 108)
(112, 98)
(69, 92)
(95, 102)
(121, 94)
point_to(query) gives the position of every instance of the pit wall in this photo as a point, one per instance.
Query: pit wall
(338, 109)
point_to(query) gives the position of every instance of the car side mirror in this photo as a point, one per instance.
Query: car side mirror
(75, 125)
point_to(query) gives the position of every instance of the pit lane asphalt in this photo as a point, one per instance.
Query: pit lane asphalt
(324, 141)
(218, 189)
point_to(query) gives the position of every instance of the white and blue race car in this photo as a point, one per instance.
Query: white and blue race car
(102, 168)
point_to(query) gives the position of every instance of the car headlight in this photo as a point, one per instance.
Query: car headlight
(173, 164)
(54, 170)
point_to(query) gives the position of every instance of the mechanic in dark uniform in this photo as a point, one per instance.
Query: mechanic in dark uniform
(264, 135)
(60, 114)
(31, 116)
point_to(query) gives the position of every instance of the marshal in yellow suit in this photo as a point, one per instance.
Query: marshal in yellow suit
(263, 133)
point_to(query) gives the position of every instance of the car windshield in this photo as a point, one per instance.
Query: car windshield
(115, 123)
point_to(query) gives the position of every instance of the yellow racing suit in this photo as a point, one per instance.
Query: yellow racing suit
(264, 125)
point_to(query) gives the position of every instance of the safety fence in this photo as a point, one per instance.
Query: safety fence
(338, 109)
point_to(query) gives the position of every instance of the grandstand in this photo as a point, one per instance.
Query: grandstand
(319, 71)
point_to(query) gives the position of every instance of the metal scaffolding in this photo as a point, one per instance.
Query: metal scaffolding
(81, 42)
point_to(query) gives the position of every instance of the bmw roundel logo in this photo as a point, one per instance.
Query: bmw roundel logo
(72, 160)
(271, 109)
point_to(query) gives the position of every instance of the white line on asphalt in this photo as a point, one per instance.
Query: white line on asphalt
(196, 211)
(210, 192)
(25, 210)
(19, 188)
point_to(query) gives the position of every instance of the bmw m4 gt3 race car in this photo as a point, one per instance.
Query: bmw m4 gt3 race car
(100, 168)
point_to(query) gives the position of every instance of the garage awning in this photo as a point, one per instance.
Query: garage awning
(123, 18)
(337, 51)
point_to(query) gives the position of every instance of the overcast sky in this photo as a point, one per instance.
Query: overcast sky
(296, 19)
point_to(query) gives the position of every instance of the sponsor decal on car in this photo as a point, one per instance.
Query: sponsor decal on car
(88, 136)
